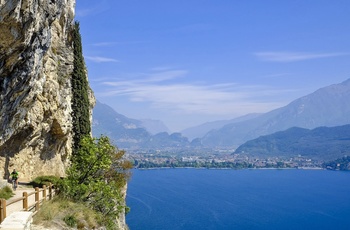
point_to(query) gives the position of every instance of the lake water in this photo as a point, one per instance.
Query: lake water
(193, 199)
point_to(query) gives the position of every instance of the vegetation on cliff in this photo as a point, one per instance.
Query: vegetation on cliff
(97, 174)
(96, 179)
(80, 91)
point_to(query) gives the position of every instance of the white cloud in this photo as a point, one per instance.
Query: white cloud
(294, 56)
(100, 59)
(144, 79)
(95, 9)
(160, 90)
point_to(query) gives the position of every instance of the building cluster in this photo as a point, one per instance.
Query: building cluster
(217, 160)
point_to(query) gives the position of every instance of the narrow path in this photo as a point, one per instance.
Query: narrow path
(18, 206)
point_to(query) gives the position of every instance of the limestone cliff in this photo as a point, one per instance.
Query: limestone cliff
(36, 62)
(36, 67)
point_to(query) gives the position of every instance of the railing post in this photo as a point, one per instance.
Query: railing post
(44, 192)
(50, 191)
(37, 199)
(25, 201)
(2, 209)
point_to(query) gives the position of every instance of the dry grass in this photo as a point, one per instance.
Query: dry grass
(65, 214)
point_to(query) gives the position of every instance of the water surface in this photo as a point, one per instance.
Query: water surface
(238, 199)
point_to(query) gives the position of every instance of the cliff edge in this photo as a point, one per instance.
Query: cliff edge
(36, 62)
(38, 81)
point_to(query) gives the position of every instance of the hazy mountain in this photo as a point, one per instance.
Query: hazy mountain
(164, 140)
(154, 126)
(328, 106)
(200, 130)
(130, 133)
(326, 143)
(124, 131)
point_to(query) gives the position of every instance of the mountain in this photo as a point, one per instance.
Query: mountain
(130, 133)
(200, 130)
(124, 131)
(154, 126)
(328, 106)
(324, 143)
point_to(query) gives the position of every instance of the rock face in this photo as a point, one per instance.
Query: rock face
(36, 65)
(36, 62)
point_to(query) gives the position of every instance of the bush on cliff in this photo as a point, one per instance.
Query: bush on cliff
(97, 176)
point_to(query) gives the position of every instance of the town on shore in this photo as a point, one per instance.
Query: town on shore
(226, 159)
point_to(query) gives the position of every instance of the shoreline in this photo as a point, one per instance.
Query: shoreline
(299, 168)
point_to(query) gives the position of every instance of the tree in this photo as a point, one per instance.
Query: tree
(80, 91)
(97, 176)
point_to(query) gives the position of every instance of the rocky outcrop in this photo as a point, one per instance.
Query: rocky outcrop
(36, 62)
(36, 65)
(120, 220)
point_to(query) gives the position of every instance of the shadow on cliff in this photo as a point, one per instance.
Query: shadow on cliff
(52, 144)
(12, 146)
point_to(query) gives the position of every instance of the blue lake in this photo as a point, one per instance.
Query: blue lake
(238, 199)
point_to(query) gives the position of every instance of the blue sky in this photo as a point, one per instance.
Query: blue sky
(187, 62)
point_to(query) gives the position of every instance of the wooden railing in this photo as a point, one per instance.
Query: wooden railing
(25, 199)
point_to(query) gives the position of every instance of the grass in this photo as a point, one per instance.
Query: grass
(6, 193)
(65, 213)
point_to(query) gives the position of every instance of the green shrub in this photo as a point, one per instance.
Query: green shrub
(45, 180)
(96, 177)
(6, 192)
(70, 220)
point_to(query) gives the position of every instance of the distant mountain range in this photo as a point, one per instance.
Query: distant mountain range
(131, 133)
(200, 130)
(122, 130)
(320, 143)
(328, 106)
(154, 126)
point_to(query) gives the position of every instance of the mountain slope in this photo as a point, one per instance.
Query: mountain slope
(326, 143)
(125, 132)
(328, 106)
(200, 130)
(130, 133)
(154, 126)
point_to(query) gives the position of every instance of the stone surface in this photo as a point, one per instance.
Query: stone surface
(18, 220)
(36, 61)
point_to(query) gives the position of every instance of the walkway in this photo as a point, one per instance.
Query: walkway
(20, 218)
(18, 206)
